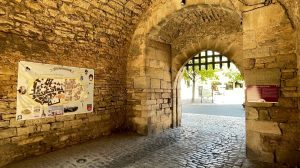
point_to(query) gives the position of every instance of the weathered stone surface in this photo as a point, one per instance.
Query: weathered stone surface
(264, 115)
(252, 113)
(137, 49)
(266, 127)
(57, 125)
(141, 82)
(4, 124)
(30, 140)
(155, 83)
(7, 133)
(227, 151)
(260, 104)
(263, 77)
(14, 123)
(249, 40)
(26, 130)
(283, 115)
(45, 127)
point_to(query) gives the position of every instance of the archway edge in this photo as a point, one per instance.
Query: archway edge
(231, 49)
(147, 115)
(155, 18)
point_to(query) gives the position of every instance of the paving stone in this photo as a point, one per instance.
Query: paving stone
(203, 141)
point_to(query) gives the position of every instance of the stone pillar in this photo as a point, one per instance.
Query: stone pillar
(150, 109)
(270, 59)
(158, 66)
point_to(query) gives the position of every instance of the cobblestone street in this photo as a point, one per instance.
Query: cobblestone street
(202, 141)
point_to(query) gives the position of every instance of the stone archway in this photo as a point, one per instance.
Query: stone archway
(168, 36)
(181, 60)
(158, 51)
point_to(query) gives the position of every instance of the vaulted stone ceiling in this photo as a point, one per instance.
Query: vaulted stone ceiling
(200, 19)
(292, 8)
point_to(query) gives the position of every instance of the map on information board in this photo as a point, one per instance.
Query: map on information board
(46, 90)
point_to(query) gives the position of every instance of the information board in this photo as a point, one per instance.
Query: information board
(262, 93)
(46, 90)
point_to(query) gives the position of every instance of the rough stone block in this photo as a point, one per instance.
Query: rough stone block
(46, 127)
(263, 77)
(50, 3)
(140, 121)
(290, 94)
(283, 115)
(57, 125)
(18, 138)
(166, 95)
(254, 148)
(252, 113)
(291, 82)
(287, 102)
(73, 124)
(148, 102)
(33, 5)
(64, 118)
(94, 118)
(264, 115)
(14, 123)
(64, 138)
(265, 60)
(7, 133)
(3, 104)
(266, 127)
(155, 83)
(249, 41)
(5, 141)
(4, 124)
(249, 63)
(288, 156)
(141, 83)
(259, 52)
(155, 73)
(26, 130)
(31, 140)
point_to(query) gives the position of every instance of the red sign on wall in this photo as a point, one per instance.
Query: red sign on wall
(262, 93)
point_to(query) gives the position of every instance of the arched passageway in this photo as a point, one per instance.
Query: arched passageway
(165, 41)
(137, 49)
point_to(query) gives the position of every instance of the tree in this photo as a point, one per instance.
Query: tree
(209, 74)
(190, 75)
(234, 76)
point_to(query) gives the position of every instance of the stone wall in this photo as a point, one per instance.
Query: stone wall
(90, 34)
(270, 59)
(19, 139)
(142, 79)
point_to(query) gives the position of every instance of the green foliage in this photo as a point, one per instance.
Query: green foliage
(234, 75)
(203, 75)
(209, 74)
(187, 77)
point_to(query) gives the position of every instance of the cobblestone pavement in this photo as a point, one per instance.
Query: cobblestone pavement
(202, 141)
